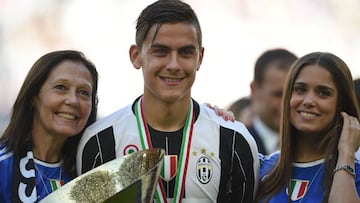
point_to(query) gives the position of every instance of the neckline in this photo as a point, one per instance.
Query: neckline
(47, 164)
(308, 164)
(45, 179)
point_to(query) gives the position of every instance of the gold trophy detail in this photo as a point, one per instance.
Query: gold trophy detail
(131, 178)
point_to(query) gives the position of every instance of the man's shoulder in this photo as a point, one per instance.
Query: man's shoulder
(209, 115)
(110, 120)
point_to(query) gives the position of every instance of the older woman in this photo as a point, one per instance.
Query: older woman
(57, 100)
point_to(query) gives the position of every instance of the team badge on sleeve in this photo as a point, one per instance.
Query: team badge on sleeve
(131, 148)
(204, 169)
(168, 170)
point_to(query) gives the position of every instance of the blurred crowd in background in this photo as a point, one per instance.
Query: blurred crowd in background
(236, 32)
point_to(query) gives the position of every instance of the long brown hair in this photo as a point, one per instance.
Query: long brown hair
(18, 132)
(280, 176)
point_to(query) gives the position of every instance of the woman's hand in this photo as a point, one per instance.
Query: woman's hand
(343, 187)
(349, 141)
(226, 115)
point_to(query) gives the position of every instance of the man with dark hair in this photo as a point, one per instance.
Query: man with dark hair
(207, 159)
(270, 73)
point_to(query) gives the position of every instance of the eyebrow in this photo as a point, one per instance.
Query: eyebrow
(322, 87)
(82, 84)
(188, 47)
(157, 45)
(317, 86)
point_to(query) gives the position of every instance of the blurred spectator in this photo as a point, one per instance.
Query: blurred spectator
(270, 72)
(242, 110)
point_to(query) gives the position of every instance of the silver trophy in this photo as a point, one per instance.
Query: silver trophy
(132, 178)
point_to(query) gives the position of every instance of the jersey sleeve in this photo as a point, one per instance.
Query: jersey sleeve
(95, 148)
(246, 163)
(240, 166)
(100, 140)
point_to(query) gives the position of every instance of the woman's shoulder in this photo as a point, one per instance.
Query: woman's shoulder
(4, 152)
(6, 163)
(6, 168)
(268, 162)
(269, 159)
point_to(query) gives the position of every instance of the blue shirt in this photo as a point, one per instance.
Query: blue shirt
(46, 181)
(306, 180)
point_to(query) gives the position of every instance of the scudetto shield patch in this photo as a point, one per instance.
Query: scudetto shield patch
(297, 189)
(168, 171)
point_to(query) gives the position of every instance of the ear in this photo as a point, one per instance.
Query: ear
(134, 54)
(201, 56)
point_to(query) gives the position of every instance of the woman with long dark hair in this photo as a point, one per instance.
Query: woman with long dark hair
(57, 100)
(319, 135)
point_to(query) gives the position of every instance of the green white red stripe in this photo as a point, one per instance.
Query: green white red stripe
(184, 151)
(168, 171)
(184, 155)
(56, 184)
(297, 189)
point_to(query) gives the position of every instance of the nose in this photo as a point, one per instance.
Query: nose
(173, 63)
(308, 100)
(71, 98)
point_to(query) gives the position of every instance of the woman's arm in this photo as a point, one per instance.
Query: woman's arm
(343, 188)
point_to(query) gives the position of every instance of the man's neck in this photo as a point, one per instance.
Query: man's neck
(165, 116)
